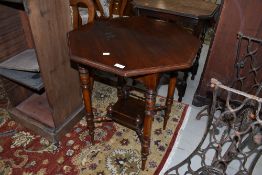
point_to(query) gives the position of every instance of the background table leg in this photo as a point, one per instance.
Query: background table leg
(170, 97)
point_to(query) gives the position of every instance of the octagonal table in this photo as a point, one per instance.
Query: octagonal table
(135, 47)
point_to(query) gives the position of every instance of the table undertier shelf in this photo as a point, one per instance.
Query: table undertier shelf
(126, 112)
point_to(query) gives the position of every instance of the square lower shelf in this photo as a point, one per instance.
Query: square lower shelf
(127, 111)
(36, 114)
(37, 107)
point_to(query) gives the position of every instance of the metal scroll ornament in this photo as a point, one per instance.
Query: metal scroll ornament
(233, 136)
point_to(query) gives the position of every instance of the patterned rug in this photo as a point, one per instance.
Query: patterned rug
(116, 152)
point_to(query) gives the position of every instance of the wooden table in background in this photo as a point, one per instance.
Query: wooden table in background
(136, 47)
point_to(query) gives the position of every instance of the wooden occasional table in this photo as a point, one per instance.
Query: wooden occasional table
(194, 15)
(135, 47)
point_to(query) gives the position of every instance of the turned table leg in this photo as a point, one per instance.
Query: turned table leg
(151, 82)
(86, 84)
(170, 97)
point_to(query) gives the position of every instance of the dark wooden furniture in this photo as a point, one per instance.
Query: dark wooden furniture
(194, 15)
(135, 47)
(47, 102)
(241, 16)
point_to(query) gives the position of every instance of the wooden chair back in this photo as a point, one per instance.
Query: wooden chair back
(75, 4)
(116, 7)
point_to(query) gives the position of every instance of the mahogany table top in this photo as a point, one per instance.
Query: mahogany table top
(191, 8)
(133, 46)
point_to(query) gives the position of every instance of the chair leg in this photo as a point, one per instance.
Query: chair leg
(170, 97)
(86, 86)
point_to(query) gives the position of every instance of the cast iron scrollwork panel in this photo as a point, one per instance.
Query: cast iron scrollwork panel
(233, 136)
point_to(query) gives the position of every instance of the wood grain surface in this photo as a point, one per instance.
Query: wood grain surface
(139, 44)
